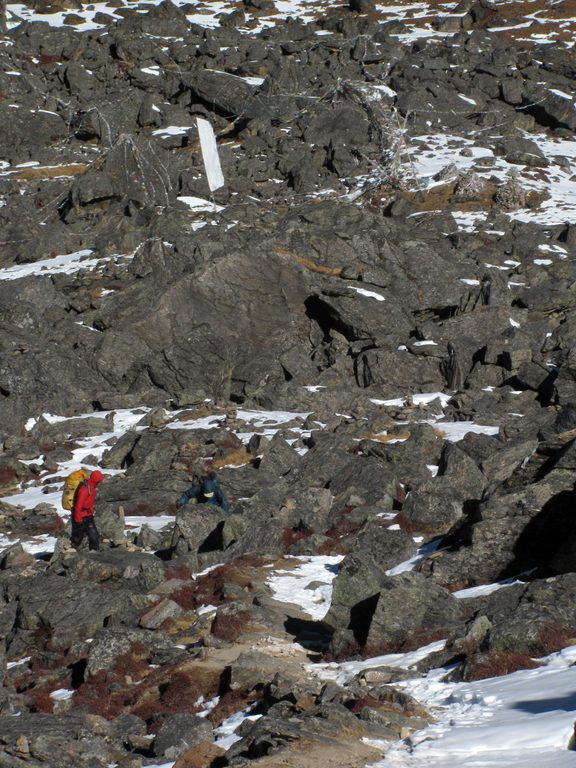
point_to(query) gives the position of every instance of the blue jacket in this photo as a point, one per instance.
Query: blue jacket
(206, 491)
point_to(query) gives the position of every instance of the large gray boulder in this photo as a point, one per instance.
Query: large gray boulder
(139, 571)
(80, 610)
(358, 583)
(180, 732)
(198, 528)
(411, 611)
(110, 644)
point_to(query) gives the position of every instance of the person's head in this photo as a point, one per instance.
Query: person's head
(208, 485)
(96, 477)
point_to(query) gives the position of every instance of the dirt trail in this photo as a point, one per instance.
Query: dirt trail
(335, 754)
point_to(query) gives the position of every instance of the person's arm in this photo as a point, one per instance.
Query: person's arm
(191, 493)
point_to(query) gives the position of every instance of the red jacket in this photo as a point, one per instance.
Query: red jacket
(85, 497)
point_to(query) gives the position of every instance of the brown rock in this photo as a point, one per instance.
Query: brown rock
(199, 756)
(164, 610)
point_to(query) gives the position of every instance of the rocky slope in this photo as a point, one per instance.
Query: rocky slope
(389, 264)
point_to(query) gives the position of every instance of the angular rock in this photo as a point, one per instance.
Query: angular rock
(410, 611)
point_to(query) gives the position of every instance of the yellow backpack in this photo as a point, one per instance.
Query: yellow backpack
(71, 485)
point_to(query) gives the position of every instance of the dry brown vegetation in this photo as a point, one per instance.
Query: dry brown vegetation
(9, 478)
(230, 627)
(134, 664)
(498, 663)
(444, 197)
(380, 438)
(554, 637)
(46, 172)
(158, 693)
(209, 589)
(291, 536)
(231, 702)
(309, 263)
(233, 458)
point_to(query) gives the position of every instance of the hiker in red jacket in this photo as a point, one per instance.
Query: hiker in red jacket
(83, 512)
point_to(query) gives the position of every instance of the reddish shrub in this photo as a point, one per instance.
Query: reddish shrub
(100, 695)
(41, 685)
(209, 589)
(50, 58)
(186, 597)
(177, 572)
(108, 693)
(343, 525)
(172, 695)
(134, 663)
(231, 702)
(554, 637)
(181, 691)
(40, 700)
(498, 663)
(8, 476)
(229, 627)
(292, 535)
(85, 693)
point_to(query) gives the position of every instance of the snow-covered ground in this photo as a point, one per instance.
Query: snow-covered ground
(434, 152)
(522, 720)
(309, 585)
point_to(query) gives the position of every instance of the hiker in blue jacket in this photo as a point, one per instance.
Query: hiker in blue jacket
(205, 490)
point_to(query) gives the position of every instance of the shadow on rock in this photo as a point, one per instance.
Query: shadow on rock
(548, 542)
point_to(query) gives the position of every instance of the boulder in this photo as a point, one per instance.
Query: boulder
(198, 528)
(111, 644)
(180, 732)
(411, 611)
(138, 571)
(355, 588)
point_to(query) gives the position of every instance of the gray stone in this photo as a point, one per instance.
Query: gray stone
(180, 732)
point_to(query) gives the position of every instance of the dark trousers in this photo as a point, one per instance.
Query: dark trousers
(86, 528)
